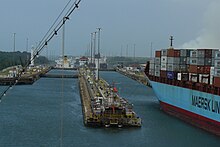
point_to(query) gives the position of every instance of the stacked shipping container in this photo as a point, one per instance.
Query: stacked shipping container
(196, 65)
(152, 66)
(216, 71)
(183, 73)
(201, 61)
(167, 63)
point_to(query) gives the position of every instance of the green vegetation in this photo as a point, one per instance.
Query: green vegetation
(8, 59)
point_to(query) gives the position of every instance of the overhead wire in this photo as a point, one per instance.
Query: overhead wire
(46, 39)
(54, 22)
(58, 26)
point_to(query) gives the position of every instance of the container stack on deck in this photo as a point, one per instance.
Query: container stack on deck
(215, 71)
(193, 65)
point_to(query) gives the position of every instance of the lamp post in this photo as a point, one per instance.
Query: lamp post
(99, 29)
(27, 45)
(98, 55)
(91, 46)
(94, 46)
(14, 41)
(134, 50)
(63, 42)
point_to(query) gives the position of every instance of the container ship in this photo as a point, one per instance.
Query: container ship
(187, 84)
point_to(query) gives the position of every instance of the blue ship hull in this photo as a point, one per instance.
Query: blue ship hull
(196, 107)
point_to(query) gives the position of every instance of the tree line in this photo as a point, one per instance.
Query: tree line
(8, 59)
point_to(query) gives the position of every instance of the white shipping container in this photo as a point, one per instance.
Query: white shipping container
(190, 76)
(173, 67)
(157, 60)
(164, 52)
(217, 55)
(193, 61)
(152, 66)
(211, 79)
(217, 72)
(157, 73)
(163, 59)
(203, 78)
(173, 60)
(194, 53)
(197, 61)
(214, 51)
(179, 76)
(157, 66)
(163, 66)
(151, 72)
(193, 77)
(217, 63)
(212, 71)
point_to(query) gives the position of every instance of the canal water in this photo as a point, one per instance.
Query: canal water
(30, 116)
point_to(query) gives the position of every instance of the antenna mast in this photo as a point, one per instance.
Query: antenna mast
(171, 41)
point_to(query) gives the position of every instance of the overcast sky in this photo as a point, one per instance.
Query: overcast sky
(193, 23)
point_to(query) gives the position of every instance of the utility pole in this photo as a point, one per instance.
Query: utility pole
(94, 46)
(27, 48)
(47, 51)
(151, 47)
(91, 45)
(127, 51)
(14, 50)
(134, 51)
(99, 29)
(98, 55)
(27, 45)
(63, 41)
(14, 41)
(87, 50)
(121, 49)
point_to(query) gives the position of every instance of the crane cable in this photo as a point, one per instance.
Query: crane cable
(56, 28)
(54, 23)
(43, 44)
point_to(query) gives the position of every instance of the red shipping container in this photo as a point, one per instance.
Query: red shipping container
(199, 69)
(207, 69)
(173, 53)
(163, 74)
(157, 53)
(193, 69)
(216, 81)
